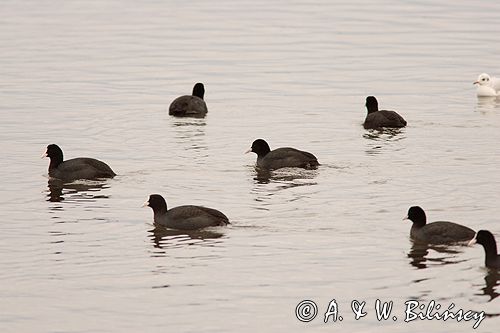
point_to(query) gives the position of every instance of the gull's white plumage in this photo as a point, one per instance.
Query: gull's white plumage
(487, 86)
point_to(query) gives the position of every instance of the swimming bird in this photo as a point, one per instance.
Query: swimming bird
(487, 86)
(190, 105)
(187, 217)
(383, 118)
(282, 157)
(440, 232)
(487, 240)
(75, 168)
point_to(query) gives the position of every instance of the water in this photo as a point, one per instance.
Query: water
(96, 77)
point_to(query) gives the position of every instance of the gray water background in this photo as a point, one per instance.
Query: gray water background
(96, 77)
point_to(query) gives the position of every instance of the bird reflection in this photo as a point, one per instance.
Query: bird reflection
(492, 280)
(419, 255)
(58, 190)
(485, 104)
(285, 175)
(190, 133)
(189, 121)
(163, 238)
(269, 184)
(382, 135)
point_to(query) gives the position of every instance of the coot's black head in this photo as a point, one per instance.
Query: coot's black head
(371, 104)
(484, 237)
(260, 147)
(487, 240)
(53, 151)
(417, 216)
(157, 203)
(55, 154)
(199, 90)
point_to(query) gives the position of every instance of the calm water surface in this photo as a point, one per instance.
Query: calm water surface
(96, 77)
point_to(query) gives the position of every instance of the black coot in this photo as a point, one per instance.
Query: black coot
(383, 118)
(440, 232)
(487, 240)
(190, 105)
(187, 217)
(282, 157)
(75, 168)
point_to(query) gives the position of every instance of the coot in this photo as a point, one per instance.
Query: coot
(383, 118)
(487, 240)
(440, 232)
(282, 157)
(75, 168)
(190, 105)
(187, 217)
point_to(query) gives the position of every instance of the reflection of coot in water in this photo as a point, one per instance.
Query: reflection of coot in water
(187, 217)
(384, 134)
(419, 254)
(491, 279)
(285, 176)
(282, 157)
(440, 232)
(163, 237)
(75, 168)
(58, 190)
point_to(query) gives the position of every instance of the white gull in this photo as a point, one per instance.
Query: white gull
(487, 86)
